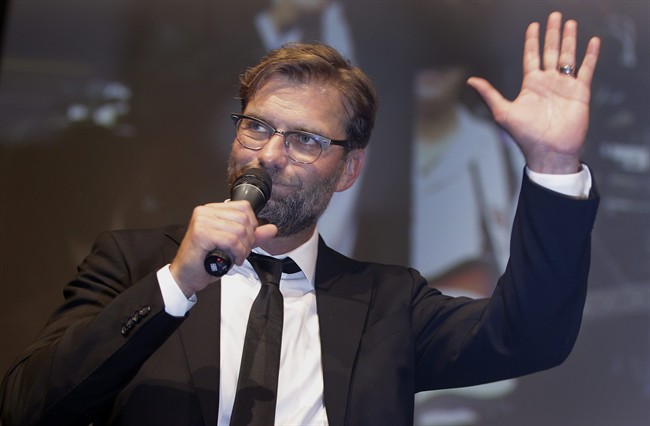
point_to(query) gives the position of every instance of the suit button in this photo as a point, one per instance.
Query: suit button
(137, 316)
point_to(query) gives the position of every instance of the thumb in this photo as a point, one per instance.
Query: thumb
(264, 233)
(491, 96)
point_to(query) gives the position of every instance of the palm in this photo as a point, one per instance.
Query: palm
(550, 116)
(551, 112)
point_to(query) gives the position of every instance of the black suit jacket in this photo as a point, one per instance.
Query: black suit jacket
(111, 355)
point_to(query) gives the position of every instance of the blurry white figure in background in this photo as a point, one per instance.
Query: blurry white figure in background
(462, 208)
(463, 192)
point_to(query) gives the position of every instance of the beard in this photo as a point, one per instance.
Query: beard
(301, 208)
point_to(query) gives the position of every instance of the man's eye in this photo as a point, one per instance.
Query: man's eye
(305, 139)
(258, 127)
(253, 126)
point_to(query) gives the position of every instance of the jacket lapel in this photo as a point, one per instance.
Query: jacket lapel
(200, 334)
(342, 299)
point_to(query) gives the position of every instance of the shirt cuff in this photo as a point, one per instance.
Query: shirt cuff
(574, 185)
(176, 304)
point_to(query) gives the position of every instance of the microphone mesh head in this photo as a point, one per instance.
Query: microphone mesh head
(257, 177)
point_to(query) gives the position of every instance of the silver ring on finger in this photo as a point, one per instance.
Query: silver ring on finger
(567, 69)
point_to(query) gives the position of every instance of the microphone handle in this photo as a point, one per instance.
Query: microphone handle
(218, 262)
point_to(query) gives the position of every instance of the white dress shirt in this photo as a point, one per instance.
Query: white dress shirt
(464, 200)
(300, 383)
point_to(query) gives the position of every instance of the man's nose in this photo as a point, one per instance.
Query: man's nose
(274, 151)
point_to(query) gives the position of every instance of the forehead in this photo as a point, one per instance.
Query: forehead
(316, 106)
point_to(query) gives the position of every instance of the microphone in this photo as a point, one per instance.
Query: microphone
(254, 186)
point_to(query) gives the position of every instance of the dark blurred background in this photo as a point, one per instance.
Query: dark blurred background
(113, 114)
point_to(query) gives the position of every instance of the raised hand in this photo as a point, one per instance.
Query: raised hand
(550, 116)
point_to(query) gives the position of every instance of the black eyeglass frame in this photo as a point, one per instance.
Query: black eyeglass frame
(323, 141)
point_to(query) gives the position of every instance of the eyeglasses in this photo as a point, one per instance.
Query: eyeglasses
(302, 147)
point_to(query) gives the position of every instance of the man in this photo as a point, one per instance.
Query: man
(146, 336)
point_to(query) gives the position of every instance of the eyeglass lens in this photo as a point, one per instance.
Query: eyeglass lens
(302, 147)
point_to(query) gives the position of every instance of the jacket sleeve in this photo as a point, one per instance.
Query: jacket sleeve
(111, 321)
(531, 321)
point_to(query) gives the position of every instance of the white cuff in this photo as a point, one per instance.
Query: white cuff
(575, 184)
(176, 304)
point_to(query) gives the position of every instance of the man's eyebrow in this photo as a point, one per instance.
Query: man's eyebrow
(300, 128)
(308, 130)
(256, 116)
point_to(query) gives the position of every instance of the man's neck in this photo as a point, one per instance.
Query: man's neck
(280, 245)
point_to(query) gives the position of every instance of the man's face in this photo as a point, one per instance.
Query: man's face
(300, 192)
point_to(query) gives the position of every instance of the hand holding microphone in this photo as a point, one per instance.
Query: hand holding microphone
(254, 186)
(225, 231)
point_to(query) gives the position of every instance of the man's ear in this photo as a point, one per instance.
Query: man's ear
(351, 169)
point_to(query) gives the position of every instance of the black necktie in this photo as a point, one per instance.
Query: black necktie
(257, 385)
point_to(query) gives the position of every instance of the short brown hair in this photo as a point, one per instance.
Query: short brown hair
(304, 62)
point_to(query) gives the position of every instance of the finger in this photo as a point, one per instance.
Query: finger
(568, 49)
(237, 211)
(586, 71)
(531, 49)
(206, 234)
(226, 228)
(493, 99)
(552, 41)
(224, 215)
(241, 205)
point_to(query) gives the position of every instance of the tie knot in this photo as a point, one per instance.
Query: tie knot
(269, 269)
(289, 266)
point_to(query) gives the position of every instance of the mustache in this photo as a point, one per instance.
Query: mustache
(282, 180)
(276, 175)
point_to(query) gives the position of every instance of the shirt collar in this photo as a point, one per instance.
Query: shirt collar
(304, 256)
